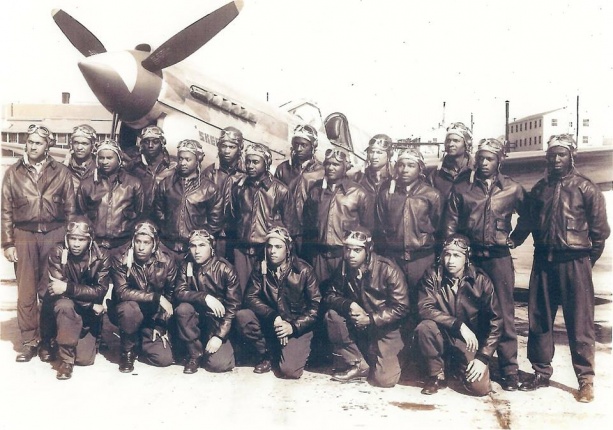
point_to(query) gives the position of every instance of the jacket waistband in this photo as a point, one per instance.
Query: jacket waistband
(39, 227)
(409, 255)
(329, 251)
(490, 251)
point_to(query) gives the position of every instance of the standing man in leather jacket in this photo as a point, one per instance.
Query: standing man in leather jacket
(299, 173)
(481, 207)
(143, 284)
(79, 280)
(37, 199)
(224, 173)
(207, 297)
(257, 202)
(112, 198)
(187, 200)
(281, 305)
(153, 165)
(81, 161)
(457, 162)
(334, 205)
(408, 213)
(569, 227)
(461, 320)
(367, 301)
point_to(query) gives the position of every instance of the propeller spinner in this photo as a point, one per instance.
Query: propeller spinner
(128, 82)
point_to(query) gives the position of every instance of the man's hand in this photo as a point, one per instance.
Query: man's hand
(283, 329)
(475, 370)
(166, 305)
(10, 254)
(469, 337)
(283, 341)
(57, 287)
(98, 309)
(164, 338)
(213, 345)
(358, 316)
(511, 243)
(215, 305)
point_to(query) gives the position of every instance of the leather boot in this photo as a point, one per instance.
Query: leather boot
(355, 372)
(126, 362)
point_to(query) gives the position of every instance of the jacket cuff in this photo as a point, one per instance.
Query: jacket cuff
(455, 327)
(483, 357)
(69, 289)
(157, 297)
(294, 329)
(346, 307)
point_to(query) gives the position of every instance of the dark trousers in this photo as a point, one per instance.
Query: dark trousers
(291, 358)
(32, 274)
(502, 274)
(379, 348)
(436, 345)
(568, 284)
(77, 332)
(195, 328)
(135, 320)
(244, 261)
(325, 266)
(413, 271)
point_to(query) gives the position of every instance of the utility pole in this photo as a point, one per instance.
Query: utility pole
(577, 120)
(506, 125)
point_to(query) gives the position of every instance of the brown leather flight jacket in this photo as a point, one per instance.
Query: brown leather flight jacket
(35, 205)
(87, 276)
(256, 206)
(328, 214)
(295, 297)
(150, 178)
(184, 205)
(145, 283)
(484, 216)
(569, 215)
(383, 293)
(113, 204)
(407, 221)
(216, 277)
(444, 177)
(475, 305)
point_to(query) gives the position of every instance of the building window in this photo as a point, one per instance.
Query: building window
(554, 122)
(530, 141)
(586, 122)
(530, 125)
(585, 139)
(434, 140)
(540, 123)
(540, 140)
(570, 124)
(521, 127)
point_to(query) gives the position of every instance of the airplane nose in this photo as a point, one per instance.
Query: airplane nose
(121, 84)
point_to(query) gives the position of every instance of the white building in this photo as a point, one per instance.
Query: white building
(532, 132)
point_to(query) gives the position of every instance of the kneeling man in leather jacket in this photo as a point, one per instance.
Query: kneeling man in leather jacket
(461, 321)
(281, 305)
(367, 301)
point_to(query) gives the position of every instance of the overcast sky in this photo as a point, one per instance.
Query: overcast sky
(388, 65)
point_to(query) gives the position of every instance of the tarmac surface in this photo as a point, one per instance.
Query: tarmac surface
(100, 397)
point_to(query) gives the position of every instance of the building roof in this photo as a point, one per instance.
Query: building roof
(536, 115)
(59, 118)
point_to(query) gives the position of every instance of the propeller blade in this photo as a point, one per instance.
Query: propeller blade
(77, 34)
(190, 39)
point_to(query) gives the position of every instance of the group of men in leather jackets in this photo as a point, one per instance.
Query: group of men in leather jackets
(392, 265)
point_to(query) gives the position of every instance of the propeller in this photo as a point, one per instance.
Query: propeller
(190, 39)
(77, 34)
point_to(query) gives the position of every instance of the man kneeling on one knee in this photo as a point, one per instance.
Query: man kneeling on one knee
(367, 301)
(207, 297)
(461, 321)
(281, 304)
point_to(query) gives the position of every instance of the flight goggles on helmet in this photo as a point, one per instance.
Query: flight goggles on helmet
(457, 242)
(492, 145)
(361, 238)
(564, 140)
(261, 151)
(280, 233)
(339, 154)
(79, 228)
(201, 235)
(307, 132)
(85, 131)
(190, 145)
(380, 141)
(42, 131)
(232, 135)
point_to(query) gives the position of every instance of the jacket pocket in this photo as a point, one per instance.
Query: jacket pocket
(503, 228)
(577, 232)
(20, 206)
